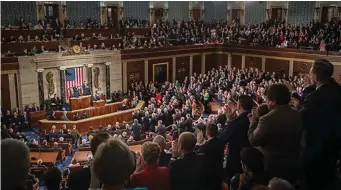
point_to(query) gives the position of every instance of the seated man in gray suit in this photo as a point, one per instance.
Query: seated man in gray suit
(64, 117)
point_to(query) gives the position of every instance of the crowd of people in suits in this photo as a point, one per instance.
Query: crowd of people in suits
(279, 145)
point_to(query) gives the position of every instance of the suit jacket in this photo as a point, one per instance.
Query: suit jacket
(213, 150)
(278, 135)
(321, 113)
(188, 173)
(35, 108)
(235, 134)
(164, 159)
(152, 177)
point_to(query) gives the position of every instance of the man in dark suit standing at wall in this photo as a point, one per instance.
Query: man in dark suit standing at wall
(235, 133)
(321, 111)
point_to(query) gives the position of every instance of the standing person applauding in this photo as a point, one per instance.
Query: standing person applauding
(148, 173)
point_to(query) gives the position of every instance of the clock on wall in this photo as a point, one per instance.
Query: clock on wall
(76, 49)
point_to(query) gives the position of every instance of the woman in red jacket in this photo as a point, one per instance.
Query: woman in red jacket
(158, 97)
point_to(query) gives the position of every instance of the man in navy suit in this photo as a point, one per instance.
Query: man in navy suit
(235, 132)
(321, 111)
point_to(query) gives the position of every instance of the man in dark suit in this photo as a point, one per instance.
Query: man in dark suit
(35, 107)
(85, 178)
(278, 134)
(321, 111)
(235, 132)
(136, 130)
(187, 172)
(164, 157)
(189, 123)
(213, 150)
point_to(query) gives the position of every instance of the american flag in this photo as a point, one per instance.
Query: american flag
(73, 77)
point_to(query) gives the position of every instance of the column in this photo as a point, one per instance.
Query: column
(62, 83)
(291, 68)
(124, 76)
(12, 90)
(89, 73)
(229, 60)
(107, 80)
(145, 71)
(191, 65)
(203, 63)
(173, 69)
(41, 86)
(263, 63)
(243, 61)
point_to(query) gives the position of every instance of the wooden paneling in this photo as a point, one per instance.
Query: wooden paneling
(197, 64)
(274, 65)
(301, 67)
(156, 61)
(236, 61)
(182, 68)
(221, 59)
(135, 72)
(210, 62)
(20, 47)
(253, 62)
(84, 124)
(5, 94)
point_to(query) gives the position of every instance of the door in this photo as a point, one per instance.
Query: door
(158, 15)
(133, 77)
(235, 15)
(324, 14)
(51, 11)
(196, 14)
(276, 14)
(5, 94)
(112, 13)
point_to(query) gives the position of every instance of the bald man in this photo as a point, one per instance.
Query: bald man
(164, 157)
(186, 167)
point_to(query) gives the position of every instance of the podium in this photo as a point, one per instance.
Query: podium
(99, 103)
(80, 103)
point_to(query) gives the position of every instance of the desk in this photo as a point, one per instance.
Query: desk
(92, 111)
(70, 33)
(215, 106)
(136, 148)
(80, 103)
(107, 42)
(84, 124)
(99, 103)
(81, 156)
(37, 115)
(47, 157)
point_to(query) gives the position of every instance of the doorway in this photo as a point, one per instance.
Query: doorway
(196, 14)
(112, 13)
(51, 11)
(158, 15)
(276, 14)
(235, 15)
(324, 14)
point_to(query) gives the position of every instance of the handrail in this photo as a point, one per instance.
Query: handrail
(139, 106)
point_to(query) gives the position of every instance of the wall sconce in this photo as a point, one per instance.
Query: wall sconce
(285, 12)
(121, 11)
(64, 8)
(151, 10)
(190, 13)
(40, 7)
(317, 9)
(165, 11)
(202, 12)
(242, 11)
(228, 12)
(103, 10)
